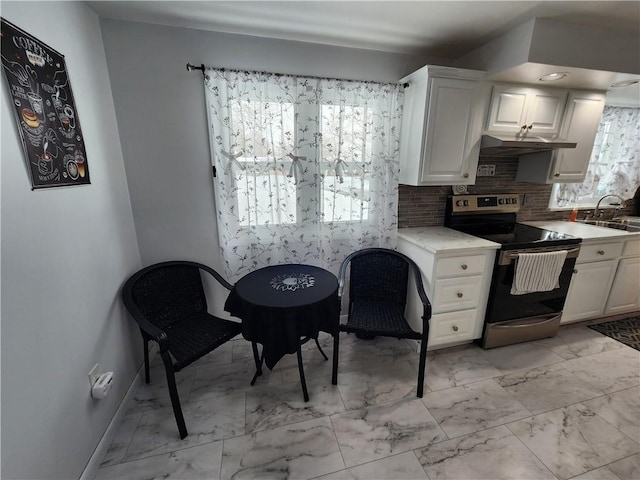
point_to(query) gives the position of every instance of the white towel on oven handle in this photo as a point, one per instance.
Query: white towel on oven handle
(537, 272)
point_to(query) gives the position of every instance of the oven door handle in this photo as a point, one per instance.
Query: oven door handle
(506, 257)
(528, 322)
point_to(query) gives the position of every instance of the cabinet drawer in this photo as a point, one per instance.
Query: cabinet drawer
(457, 293)
(599, 251)
(631, 248)
(452, 327)
(463, 265)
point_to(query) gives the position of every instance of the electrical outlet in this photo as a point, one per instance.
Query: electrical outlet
(528, 200)
(94, 373)
(486, 170)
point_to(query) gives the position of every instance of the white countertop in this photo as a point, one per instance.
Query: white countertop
(588, 233)
(442, 239)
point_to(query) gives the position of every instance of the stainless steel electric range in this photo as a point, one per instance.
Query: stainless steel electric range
(513, 318)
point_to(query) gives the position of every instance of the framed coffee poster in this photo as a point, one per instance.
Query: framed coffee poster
(45, 110)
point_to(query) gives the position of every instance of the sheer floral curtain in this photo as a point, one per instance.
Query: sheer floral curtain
(615, 162)
(307, 168)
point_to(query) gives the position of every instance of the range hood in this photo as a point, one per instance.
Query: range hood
(512, 146)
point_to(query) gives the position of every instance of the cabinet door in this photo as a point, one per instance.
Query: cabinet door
(456, 293)
(589, 290)
(522, 110)
(544, 111)
(508, 109)
(452, 327)
(625, 292)
(452, 134)
(580, 125)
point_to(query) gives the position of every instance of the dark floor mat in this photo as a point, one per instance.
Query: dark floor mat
(626, 331)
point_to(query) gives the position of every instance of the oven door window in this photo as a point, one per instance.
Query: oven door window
(504, 306)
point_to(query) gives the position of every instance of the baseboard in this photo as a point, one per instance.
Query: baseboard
(100, 451)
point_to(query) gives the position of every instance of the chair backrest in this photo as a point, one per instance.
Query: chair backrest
(167, 292)
(378, 274)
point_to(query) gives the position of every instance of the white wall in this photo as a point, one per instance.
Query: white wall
(163, 128)
(65, 253)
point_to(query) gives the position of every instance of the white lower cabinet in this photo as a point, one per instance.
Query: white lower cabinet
(447, 328)
(589, 290)
(457, 284)
(606, 281)
(625, 291)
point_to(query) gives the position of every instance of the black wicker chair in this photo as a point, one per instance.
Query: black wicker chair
(167, 301)
(377, 298)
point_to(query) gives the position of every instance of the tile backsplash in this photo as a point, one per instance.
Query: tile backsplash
(424, 206)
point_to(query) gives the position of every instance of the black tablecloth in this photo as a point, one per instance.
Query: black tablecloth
(281, 304)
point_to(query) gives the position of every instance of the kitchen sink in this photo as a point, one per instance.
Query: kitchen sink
(616, 224)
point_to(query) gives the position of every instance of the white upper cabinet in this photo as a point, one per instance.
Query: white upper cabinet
(522, 110)
(580, 125)
(441, 127)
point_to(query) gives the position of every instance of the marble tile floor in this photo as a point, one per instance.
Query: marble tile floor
(561, 408)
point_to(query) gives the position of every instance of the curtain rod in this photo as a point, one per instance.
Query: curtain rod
(191, 68)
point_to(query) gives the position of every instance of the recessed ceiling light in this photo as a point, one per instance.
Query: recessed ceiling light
(624, 83)
(550, 77)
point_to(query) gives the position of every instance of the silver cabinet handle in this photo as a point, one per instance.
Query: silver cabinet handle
(460, 295)
(454, 328)
(575, 270)
(465, 175)
(463, 266)
(523, 127)
(530, 127)
(557, 174)
(600, 252)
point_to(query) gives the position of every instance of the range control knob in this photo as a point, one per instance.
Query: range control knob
(501, 201)
(466, 203)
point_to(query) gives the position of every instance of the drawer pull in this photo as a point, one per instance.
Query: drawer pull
(600, 252)
(454, 328)
(463, 266)
(575, 270)
(460, 295)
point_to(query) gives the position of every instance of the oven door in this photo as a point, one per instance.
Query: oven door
(503, 306)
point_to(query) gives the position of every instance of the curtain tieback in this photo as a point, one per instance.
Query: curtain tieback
(296, 169)
(233, 158)
(340, 169)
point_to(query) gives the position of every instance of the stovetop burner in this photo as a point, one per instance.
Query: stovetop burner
(518, 235)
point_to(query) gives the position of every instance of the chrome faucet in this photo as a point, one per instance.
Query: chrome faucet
(597, 213)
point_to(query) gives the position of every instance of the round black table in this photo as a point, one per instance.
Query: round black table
(283, 306)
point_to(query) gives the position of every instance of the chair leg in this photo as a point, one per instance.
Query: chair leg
(421, 366)
(145, 344)
(321, 351)
(258, 360)
(173, 393)
(305, 393)
(334, 373)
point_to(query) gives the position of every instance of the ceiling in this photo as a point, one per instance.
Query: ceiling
(446, 29)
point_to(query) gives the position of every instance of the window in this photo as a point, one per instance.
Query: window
(345, 157)
(307, 169)
(614, 167)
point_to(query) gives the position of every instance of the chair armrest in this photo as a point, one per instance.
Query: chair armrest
(147, 327)
(221, 280)
(426, 304)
